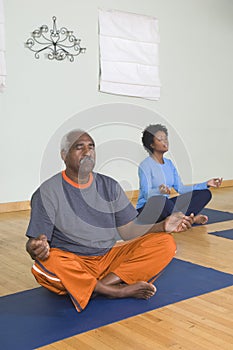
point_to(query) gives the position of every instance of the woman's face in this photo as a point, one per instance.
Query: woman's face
(160, 142)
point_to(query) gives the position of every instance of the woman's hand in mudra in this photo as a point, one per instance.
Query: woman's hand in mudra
(164, 189)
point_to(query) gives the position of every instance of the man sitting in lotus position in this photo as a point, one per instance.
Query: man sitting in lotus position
(76, 219)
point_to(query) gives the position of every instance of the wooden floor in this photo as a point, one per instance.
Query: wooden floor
(200, 323)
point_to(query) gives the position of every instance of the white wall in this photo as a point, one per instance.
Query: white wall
(44, 98)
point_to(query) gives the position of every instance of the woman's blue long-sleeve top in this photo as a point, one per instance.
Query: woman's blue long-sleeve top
(153, 174)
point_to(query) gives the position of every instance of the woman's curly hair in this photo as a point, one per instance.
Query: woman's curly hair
(149, 133)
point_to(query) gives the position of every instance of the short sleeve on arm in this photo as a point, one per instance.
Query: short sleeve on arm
(124, 210)
(42, 217)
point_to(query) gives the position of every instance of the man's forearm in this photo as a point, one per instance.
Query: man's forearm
(177, 222)
(133, 229)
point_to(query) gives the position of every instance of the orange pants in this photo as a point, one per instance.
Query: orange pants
(141, 259)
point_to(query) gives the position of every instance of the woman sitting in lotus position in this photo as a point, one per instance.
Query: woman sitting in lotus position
(158, 175)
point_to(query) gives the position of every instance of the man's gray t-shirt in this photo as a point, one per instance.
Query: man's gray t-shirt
(80, 220)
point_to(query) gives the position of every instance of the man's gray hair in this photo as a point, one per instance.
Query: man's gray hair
(69, 138)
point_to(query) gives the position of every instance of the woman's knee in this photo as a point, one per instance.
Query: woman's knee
(208, 194)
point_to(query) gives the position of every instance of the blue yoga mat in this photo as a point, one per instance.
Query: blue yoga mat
(37, 317)
(225, 233)
(216, 215)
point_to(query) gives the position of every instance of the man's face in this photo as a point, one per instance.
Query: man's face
(80, 159)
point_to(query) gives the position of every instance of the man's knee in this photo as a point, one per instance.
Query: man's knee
(53, 284)
(171, 245)
(163, 251)
(162, 243)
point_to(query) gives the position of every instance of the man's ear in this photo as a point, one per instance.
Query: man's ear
(63, 155)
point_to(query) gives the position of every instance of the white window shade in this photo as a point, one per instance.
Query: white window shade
(129, 54)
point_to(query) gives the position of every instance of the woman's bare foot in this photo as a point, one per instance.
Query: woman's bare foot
(200, 219)
(139, 290)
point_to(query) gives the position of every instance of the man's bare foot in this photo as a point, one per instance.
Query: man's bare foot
(119, 285)
(139, 290)
(200, 219)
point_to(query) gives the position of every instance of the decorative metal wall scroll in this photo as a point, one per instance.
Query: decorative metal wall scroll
(57, 44)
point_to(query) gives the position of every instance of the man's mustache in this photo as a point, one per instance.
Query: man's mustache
(87, 159)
